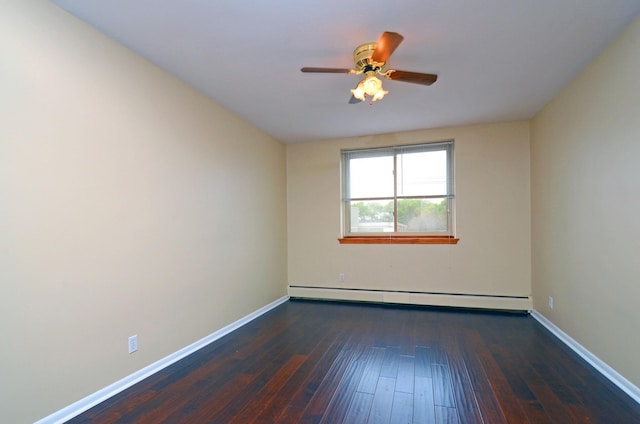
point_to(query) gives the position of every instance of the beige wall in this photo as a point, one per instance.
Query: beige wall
(585, 153)
(130, 204)
(492, 204)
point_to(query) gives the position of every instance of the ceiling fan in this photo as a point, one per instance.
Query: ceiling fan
(370, 59)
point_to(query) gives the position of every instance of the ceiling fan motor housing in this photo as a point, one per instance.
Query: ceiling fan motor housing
(362, 58)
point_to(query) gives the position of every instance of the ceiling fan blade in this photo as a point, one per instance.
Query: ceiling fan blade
(327, 70)
(385, 45)
(412, 77)
(353, 100)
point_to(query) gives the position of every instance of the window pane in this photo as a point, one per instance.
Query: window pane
(371, 177)
(371, 216)
(422, 215)
(422, 173)
(416, 179)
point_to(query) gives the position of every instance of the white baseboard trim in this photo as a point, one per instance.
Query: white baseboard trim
(604, 369)
(90, 401)
(512, 303)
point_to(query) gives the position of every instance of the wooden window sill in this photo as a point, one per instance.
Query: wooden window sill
(399, 240)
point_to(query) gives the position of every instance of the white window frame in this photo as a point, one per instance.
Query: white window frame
(446, 146)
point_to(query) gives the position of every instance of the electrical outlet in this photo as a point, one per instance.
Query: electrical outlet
(551, 302)
(341, 277)
(133, 343)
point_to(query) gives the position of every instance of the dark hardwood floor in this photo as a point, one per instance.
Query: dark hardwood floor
(324, 362)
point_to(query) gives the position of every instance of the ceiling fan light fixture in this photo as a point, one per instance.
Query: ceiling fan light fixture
(358, 92)
(379, 95)
(370, 86)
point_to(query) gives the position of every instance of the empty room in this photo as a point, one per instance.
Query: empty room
(319, 212)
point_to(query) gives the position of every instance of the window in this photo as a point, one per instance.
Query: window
(398, 193)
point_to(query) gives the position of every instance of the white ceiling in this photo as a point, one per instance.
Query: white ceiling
(497, 60)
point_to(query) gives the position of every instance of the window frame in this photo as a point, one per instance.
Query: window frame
(395, 237)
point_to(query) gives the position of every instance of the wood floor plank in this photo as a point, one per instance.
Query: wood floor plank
(251, 382)
(442, 390)
(423, 401)
(252, 412)
(382, 401)
(510, 366)
(358, 412)
(505, 396)
(438, 356)
(341, 400)
(249, 385)
(402, 408)
(390, 362)
(282, 401)
(422, 361)
(320, 400)
(489, 407)
(371, 374)
(463, 393)
(446, 415)
(406, 374)
(553, 406)
(315, 370)
(305, 362)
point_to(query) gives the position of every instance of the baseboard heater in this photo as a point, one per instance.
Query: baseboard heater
(481, 301)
